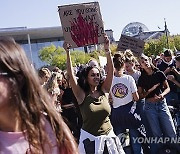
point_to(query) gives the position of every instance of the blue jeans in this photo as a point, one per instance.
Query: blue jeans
(160, 121)
(122, 119)
(171, 96)
(136, 147)
(141, 107)
(133, 133)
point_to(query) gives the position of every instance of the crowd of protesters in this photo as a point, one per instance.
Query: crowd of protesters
(97, 104)
(137, 105)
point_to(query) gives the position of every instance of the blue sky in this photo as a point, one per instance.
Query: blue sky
(115, 13)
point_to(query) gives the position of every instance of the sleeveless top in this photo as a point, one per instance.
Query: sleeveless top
(95, 114)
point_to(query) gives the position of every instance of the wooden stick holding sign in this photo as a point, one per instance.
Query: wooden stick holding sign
(82, 24)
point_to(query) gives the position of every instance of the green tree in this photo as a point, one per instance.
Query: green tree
(48, 53)
(177, 42)
(113, 48)
(155, 47)
(57, 56)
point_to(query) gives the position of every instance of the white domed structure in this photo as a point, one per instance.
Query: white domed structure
(134, 28)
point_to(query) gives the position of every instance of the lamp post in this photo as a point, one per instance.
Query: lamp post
(29, 43)
(166, 32)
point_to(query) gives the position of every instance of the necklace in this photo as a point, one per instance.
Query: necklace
(94, 94)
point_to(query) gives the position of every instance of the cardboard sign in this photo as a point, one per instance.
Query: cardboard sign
(82, 24)
(134, 44)
(102, 61)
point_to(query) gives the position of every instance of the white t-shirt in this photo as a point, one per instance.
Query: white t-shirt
(135, 75)
(122, 89)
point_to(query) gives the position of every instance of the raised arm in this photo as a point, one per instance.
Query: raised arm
(110, 68)
(78, 92)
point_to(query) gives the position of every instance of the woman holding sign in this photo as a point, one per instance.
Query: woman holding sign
(92, 96)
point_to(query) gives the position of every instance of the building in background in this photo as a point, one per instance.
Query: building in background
(140, 31)
(109, 33)
(34, 39)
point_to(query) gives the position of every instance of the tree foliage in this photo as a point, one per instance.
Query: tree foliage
(57, 56)
(155, 47)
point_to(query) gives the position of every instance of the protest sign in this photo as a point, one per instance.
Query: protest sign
(134, 44)
(102, 61)
(82, 24)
